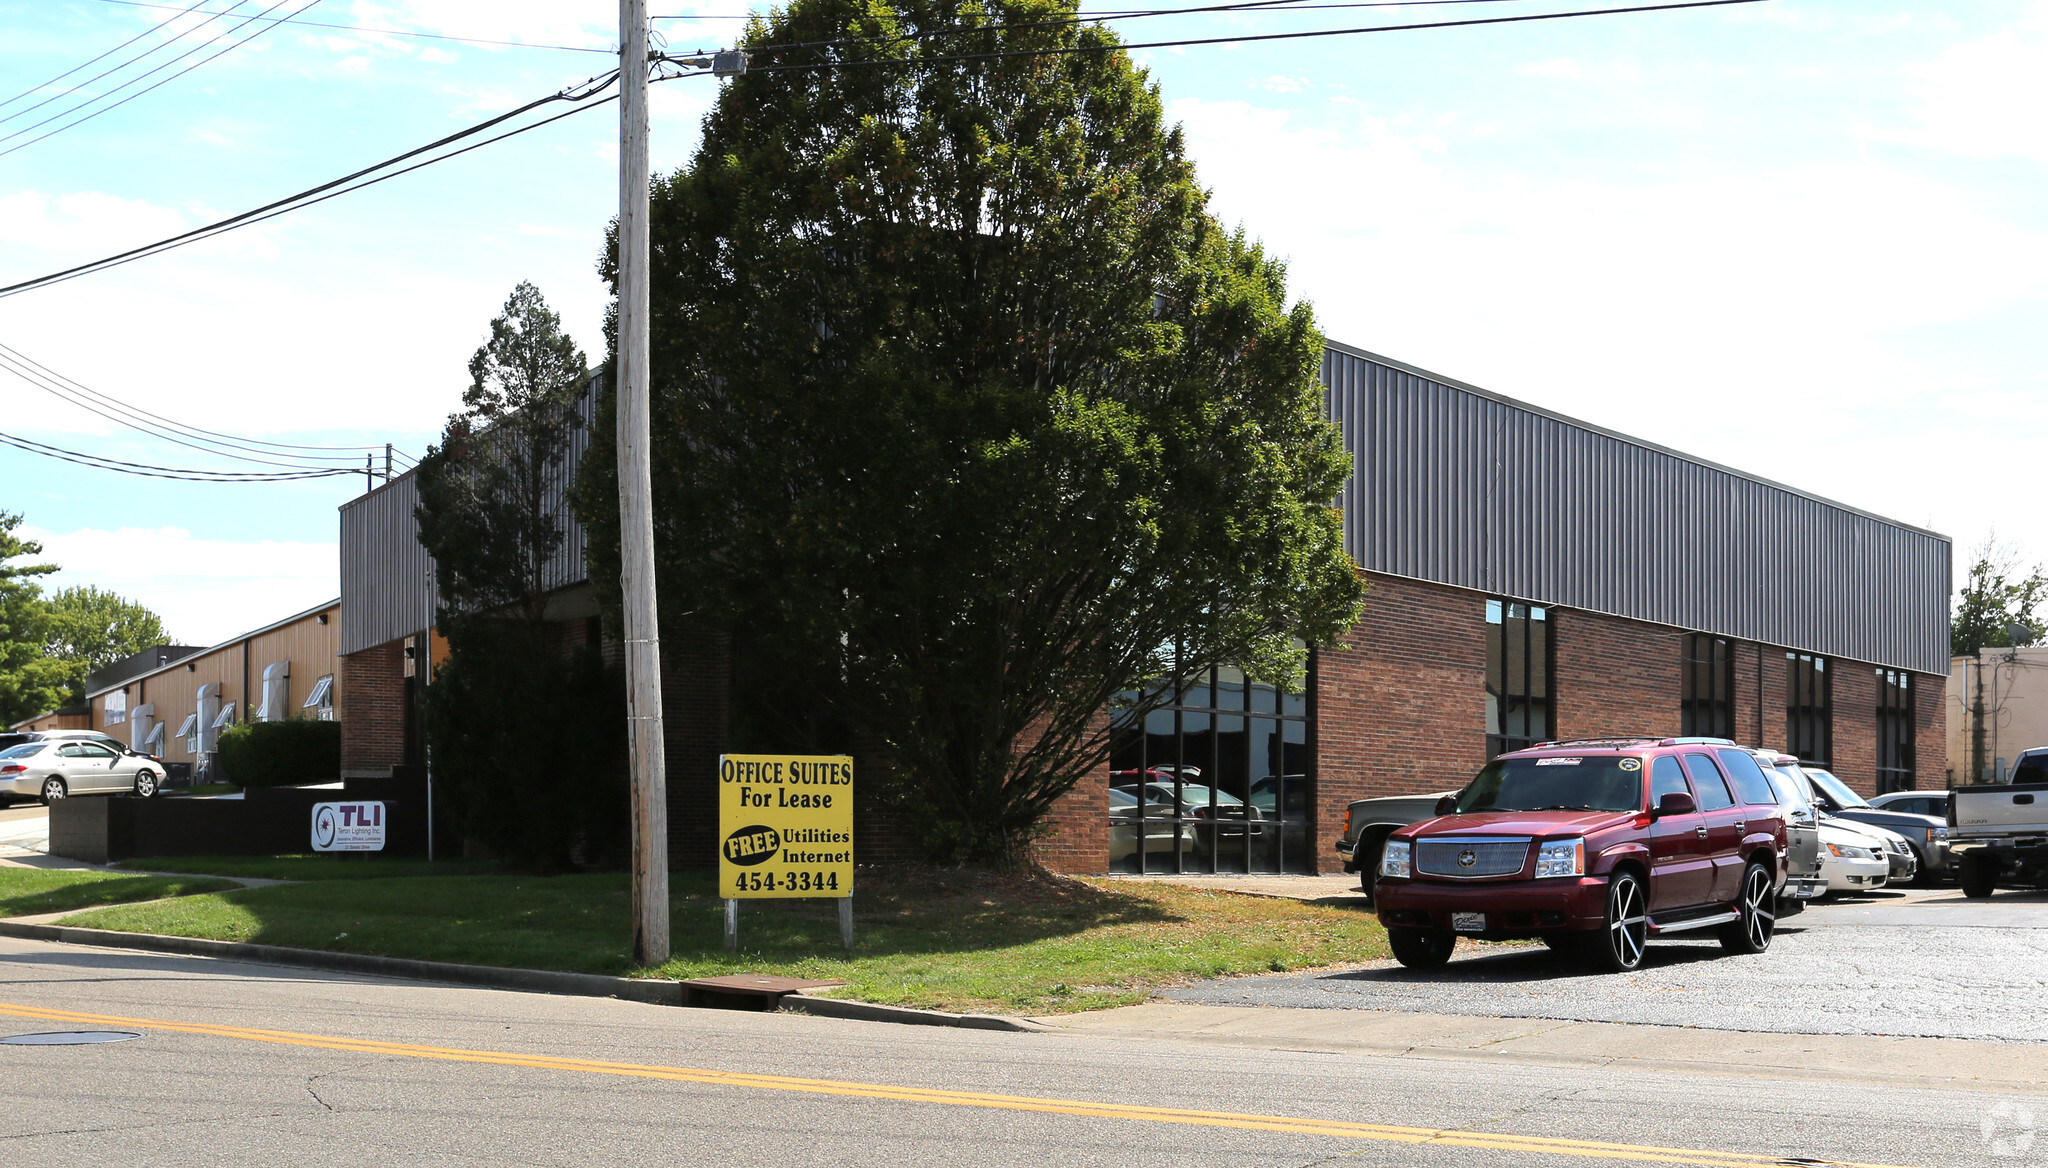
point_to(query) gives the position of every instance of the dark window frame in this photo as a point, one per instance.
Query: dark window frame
(1896, 720)
(1501, 613)
(1712, 714)
(1810, 709)
(1286, 843)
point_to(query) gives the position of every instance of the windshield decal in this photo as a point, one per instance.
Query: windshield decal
(1559, 761)
(1631, 764)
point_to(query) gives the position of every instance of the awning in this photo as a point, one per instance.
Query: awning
(156, 735)
(319, 696)
(186, 727)
(227, 715)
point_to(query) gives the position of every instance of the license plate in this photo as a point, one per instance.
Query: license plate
(1468, 922)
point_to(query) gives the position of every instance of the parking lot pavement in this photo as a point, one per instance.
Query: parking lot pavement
(1910, 964)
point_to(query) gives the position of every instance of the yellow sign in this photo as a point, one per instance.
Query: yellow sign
(785, 825)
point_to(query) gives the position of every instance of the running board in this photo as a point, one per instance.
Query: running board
(1720, 918)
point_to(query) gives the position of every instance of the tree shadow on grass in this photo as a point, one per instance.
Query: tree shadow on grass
(909, 912)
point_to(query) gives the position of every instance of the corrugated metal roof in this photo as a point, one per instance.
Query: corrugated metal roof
(388, 586)
(1461, 486)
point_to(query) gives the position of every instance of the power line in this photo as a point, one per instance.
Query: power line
(149, 470)
(45, 370)
(1068, 50)
(205, 442)
(116, 68)
(131, 97)
(103, 56)
(399, 32)
(1255, 7)
(580, 93)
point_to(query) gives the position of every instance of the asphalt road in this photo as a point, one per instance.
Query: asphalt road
(251, 1065)
(1915, 963)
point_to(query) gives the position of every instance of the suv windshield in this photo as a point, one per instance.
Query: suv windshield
(1837, 791)
(1610, 783)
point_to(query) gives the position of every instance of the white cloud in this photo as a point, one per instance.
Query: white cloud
(1279, 83)
(206, 590)
(1984, 98)
(1750, 315)
(83, 221)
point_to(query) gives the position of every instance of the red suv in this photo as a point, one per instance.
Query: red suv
(1594, 846)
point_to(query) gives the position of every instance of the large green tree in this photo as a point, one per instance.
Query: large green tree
(49, 643)
(966, 409)
(524, 732)
(31, 681)
(1997, 596)
(95, 628)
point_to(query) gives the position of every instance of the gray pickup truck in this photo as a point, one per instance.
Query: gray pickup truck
(1998, 832)
(1368, 823)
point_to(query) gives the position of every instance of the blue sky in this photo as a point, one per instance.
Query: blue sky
(1803, 237)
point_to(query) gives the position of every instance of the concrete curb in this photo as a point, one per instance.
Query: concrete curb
(653, 991)
(803, 1003)
(589, 985)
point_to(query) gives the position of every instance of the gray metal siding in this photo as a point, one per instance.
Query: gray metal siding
(387, 578)
(1457, 486)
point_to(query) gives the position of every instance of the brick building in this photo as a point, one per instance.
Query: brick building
(1532, 577)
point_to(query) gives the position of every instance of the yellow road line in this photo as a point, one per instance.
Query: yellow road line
(1444, 1137)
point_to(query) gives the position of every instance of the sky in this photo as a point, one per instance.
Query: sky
(1804, 238)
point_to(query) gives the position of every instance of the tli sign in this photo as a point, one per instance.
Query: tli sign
(348, 827)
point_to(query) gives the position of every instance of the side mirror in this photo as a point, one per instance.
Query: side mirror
(1448, 805)
(1675, 803)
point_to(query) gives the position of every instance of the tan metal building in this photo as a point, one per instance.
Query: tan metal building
(1997, 707)
(286, 669)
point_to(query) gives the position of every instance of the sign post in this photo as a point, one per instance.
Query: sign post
(785, 829)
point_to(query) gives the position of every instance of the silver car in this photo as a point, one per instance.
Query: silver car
(53, 771)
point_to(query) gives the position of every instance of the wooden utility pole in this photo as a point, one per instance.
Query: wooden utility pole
(636, 506)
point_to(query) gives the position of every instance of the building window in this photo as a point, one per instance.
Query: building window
(1215, 780)
(1707, 708)
(321, 700)
(1518, 697)
(188, 730)
(1894, 730)
(117, 708)
(1809, 709)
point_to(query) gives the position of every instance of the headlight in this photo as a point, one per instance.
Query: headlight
(1561, 858)
(1898, 847)
(1394, 861)
(1851, 852)
(1940, 833)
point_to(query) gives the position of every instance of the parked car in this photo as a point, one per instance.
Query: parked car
(1926, 837)
(1202, 805)
(2000, 830)
(1595, 846)
(1368, 823)
(1162, 836)
(1852, 860)
(55, 770)
(1933, 803)
(1804, 878)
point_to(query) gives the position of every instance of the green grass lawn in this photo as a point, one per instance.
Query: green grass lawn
(26, 891)
(942, 940)
(332, 866)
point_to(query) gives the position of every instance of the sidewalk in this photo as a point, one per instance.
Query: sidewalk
(1919, 1062)
(1340, 888)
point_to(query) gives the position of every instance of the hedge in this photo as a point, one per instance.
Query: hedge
(280, 754)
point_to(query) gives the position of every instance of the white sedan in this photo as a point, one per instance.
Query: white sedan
(1851, 860)
(52, 771)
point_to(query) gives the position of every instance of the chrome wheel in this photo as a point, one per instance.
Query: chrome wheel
(145, 784)
(1757, 914)
(53, 791)
(1618, 946)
